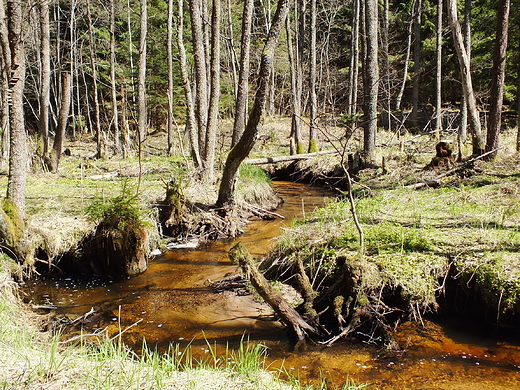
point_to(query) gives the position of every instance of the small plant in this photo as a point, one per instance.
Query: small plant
(121, 212)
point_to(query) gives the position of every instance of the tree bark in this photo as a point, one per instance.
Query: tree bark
(417, 14)
(313, 143)
(14, 60)
(354, 61)
(498, 73)
(438, 74)
(467, 85)
(57, 146)
(295, 141)
(211, 136)
(95, 93)
(287, 313)
(370, 80)
(200, 72)
(113, 84)
(241, 150)
(45, 86)
(243, 75)
(141, 82)
(169, 55)
(191, 122)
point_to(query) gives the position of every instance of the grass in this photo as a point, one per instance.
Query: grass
(413, 237)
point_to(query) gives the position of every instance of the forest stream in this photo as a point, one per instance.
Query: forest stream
(173, 302)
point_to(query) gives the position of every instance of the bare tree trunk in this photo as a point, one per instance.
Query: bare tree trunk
(354, 61)
(474, 119)
(201, 83)
(295, 141)
(438, 75)
(241, 150)
(417, 14)
(399, 97)
(113, 85)
(370, 80)
(57, 146)
(141, 83)
(463, 127)
(45, 87)
(93, 65)
(191, 122)
(169, 51)
(243, 76)
(498, 73)
(313, 143)
(14, 60)
(209, 152)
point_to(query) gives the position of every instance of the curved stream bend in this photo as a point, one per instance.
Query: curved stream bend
(171, 302)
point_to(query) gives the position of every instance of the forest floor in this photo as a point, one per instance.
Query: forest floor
(465, 224)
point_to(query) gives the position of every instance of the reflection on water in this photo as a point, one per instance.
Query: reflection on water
(171, 302)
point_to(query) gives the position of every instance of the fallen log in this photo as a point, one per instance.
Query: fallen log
(271, 160)
(285, 311)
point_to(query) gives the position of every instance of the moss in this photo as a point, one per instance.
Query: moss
(313, 146)
(15, 224)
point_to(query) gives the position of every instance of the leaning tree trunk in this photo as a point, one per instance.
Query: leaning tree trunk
(241, 150)
(169, 51)
(62, 121)
(498, 73)
(467, 85)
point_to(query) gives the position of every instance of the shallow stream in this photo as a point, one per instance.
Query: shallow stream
(172, 302)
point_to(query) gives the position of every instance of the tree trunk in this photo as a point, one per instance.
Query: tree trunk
(62, 121)
(191, 127)
(113, 85)
(313, 143)
(241, 150)
(14, 60)
(498, 78)
(417, 14)
(45, 87)
(93, 65)
(200, 70)
(169, 51)
(370, 81)
(438, 74)
(354, 61)
(141, 83)
(399, 97)
(295, 142)
(243, 76)
(463, 127)
(289, 316)
(467, 85)
(211, 136)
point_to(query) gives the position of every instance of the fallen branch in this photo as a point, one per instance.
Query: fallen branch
(286, 312)
(450, 171)
(271, 160)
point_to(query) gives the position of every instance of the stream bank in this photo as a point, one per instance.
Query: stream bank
(174, 304)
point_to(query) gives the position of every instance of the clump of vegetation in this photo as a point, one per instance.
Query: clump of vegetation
(121, 212)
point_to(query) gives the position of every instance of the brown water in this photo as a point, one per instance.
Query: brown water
(172, 303)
